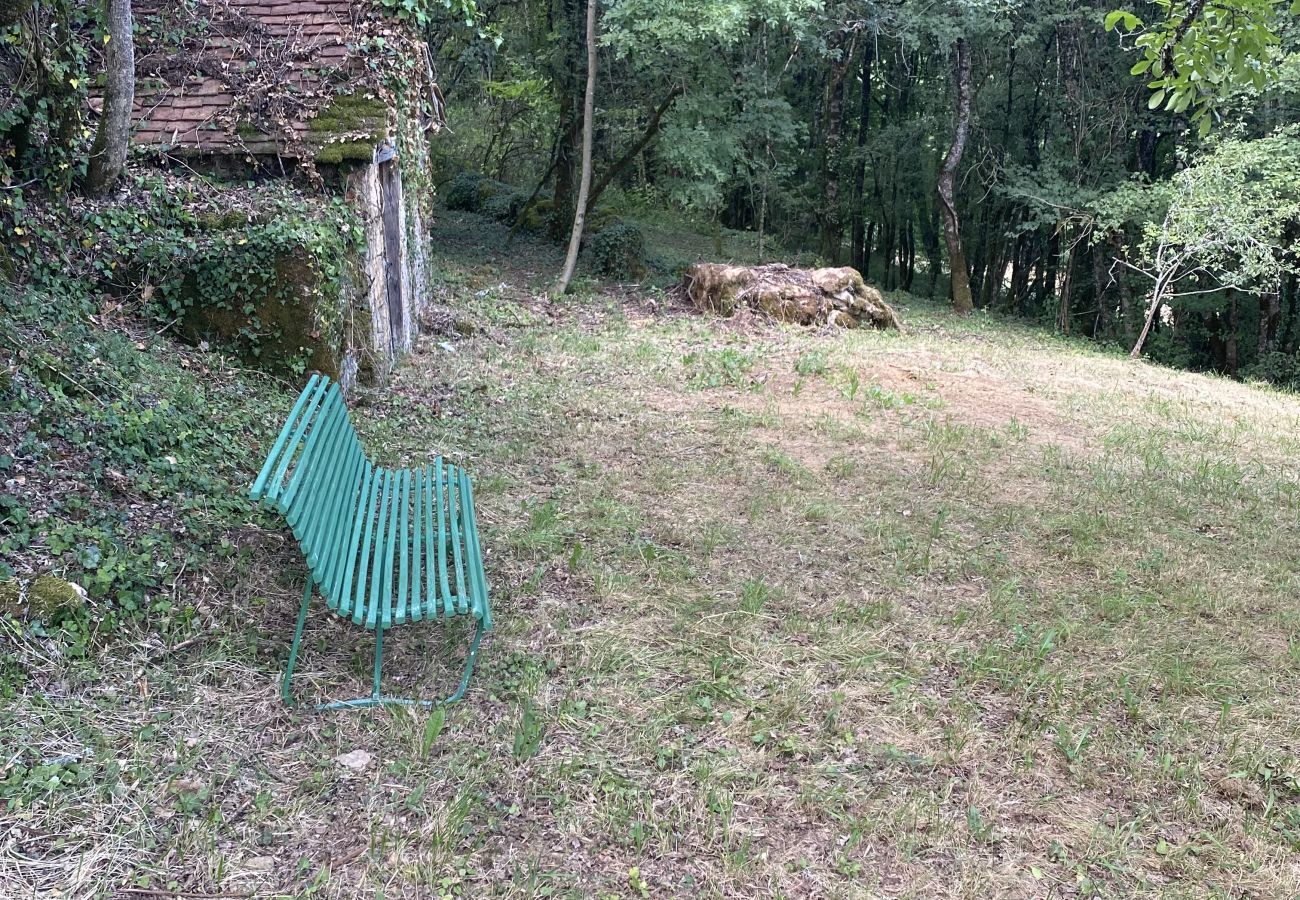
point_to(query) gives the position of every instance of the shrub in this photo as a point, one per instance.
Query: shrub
(504, 206)
(462, 192)
(618, 251)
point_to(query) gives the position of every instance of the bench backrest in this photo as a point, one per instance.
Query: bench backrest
(381, 543)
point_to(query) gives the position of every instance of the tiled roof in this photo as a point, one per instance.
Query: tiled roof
(180, 98)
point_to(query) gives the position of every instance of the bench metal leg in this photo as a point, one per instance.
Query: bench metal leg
(376, 697)
(286, 688)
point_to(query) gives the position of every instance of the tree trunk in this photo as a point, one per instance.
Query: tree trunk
(1230, 364)
(588, 129)
(1064, 294)
(108, 152)
(962, 302)
(1157, 300)
(1290, 296)
(567, 68)
(910, 271)
(857, 216)
(832, 225)
(1100, 282)
(1270, 317)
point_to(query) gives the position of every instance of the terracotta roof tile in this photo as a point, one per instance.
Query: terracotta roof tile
(185, 115)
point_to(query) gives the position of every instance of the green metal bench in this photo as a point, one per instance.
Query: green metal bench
(384, 546)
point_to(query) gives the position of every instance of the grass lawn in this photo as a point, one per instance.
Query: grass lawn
(965, 612)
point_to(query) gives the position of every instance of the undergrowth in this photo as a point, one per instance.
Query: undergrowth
(123, 459)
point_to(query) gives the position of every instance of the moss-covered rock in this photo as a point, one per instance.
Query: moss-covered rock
(44, 598)
(471, 192)
(461, 193)
(11, 597)
(538, 216)
(49, 597)
(275, 325)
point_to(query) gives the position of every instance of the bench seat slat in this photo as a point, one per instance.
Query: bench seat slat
(374, 520)
(442, 539)
(330, 558)
(407, 613)
(376, 571)
(346, 599)
(308, 466)
(430, 556)
(290, 450)
(317, 498)
(453, 514)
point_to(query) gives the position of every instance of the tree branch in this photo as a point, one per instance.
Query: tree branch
(652, 129)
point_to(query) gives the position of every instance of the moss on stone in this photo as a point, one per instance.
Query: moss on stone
(348, 114)
(286, 310)
(11, 597)
(362, 123)
(345, 151)
(48, 596)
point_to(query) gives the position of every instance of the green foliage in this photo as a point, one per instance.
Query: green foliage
(1233, 213)
(461, 192)
(1199, 55)
(195, 243)
(130, 465)
(725, 367)
(471, 192)
(44, 77)
(667, 26)
(424, 13)
(618, 251)
(529, 731)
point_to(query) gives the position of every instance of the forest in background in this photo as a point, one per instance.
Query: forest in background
(1109, 154)
(1124, 174)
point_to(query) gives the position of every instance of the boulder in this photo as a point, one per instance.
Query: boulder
(44, 598)
(801, 296)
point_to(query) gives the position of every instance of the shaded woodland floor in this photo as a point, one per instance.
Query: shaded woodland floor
(964, 612)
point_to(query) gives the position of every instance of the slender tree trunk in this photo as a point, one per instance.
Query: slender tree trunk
(858, 215)
(910, 271)
(930, 240)
(1230, 363)
(1050, 266)
(588, 128)
(1290, 296)
(1270, 306)
(1157, 300)
(1065, 293)
(1100, 282)
(962, 303)
(108, 152)
(867, 245)
(832, 223)
(568, 65)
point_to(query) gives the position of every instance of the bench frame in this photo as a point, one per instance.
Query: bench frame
(317, 475)
(376, 697)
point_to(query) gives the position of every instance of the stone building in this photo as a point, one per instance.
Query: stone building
(336, 97)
